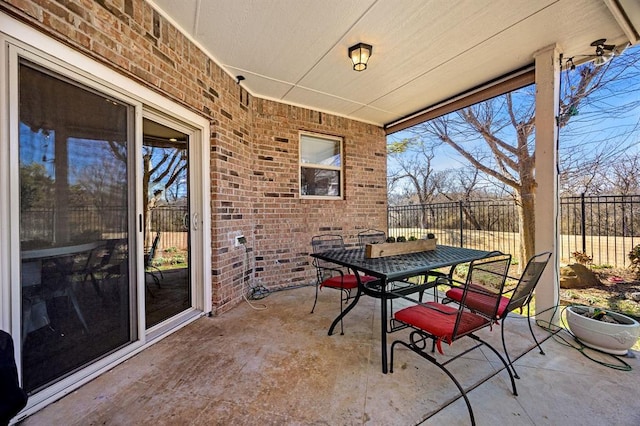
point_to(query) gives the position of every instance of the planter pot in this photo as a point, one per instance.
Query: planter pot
(615, 339)
(372, 251)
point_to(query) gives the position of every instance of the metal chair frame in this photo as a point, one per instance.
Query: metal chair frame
(518, 297)
(325, 271)
(426, 319)
(148, 260)
(371, 236)
(521, 296)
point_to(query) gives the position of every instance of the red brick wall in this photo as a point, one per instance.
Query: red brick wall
(254, 142)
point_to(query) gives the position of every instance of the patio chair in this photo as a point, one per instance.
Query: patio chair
(511, 299)
(108, 262)
(331, 275)
(371, 236)
(447, 323)
(149, 267)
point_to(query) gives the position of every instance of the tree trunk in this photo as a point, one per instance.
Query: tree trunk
(527, 224)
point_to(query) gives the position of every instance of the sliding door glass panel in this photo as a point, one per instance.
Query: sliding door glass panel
(74, 148)
(165, 189)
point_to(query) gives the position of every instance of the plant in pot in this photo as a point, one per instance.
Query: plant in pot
(606, 331)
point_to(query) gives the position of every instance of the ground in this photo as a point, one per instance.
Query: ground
(614, 292)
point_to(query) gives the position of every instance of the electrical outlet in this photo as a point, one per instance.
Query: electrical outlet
(240, 240)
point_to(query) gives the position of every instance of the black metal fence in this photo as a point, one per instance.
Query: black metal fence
(603, 227)
(487, 224)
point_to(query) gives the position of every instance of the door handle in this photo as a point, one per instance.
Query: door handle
(194, 221)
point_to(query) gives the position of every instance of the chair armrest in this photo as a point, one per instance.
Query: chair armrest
(450, 281)
(435, 306)
(336, 270)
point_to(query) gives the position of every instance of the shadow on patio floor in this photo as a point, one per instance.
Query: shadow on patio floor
(278, 366)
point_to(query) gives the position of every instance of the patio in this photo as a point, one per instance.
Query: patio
(278, 366)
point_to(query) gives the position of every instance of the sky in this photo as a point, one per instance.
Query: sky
(587, 129)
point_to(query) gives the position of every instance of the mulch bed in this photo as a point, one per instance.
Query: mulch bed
(615, 292)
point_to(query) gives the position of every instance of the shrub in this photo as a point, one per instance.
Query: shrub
(581, 257)
(401, 239)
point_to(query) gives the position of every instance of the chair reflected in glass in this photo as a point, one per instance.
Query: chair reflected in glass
(149, 268)
(107, 263)
(438, 323)
(48, 275)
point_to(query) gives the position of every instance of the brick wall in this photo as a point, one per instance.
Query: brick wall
(254, 143)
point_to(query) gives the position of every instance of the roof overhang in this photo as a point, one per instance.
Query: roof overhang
(424, 52)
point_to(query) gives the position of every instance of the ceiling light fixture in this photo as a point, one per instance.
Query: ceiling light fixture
(359, 55)
(604, 52)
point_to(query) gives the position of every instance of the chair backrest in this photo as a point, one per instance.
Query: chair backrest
(322, 243)
(95, 257)
(523, 291)
(371, 236)
(487, 277)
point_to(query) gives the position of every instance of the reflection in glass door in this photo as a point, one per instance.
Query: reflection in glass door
(165, 188)
(77, 304)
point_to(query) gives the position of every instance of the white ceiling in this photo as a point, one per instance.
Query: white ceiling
(424, 51)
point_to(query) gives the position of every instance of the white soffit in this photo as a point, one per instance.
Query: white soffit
(424, 51)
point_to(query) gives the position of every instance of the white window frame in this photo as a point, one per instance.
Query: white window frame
(339, 169)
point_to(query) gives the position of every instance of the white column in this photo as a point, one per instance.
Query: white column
(547, 75)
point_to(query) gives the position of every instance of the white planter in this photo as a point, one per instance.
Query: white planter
(615, 339)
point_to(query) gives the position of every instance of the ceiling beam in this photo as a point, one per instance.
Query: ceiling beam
(505, 84)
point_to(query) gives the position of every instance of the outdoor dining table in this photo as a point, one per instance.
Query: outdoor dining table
(394, 268)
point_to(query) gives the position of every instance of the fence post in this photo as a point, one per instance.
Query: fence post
(583, 224)
(461, 218)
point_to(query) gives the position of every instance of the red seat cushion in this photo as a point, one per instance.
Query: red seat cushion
(441, 322)
(480, 302)
(347, 281)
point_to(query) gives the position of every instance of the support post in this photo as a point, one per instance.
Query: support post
(547, 76)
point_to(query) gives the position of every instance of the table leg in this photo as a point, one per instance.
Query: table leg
(383, 325)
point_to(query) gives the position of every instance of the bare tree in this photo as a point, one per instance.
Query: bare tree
(462, 186)
(497, 136)
(624, 178)
(162, 169)
(413, 175)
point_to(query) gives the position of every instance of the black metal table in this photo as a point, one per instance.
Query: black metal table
(394, 268)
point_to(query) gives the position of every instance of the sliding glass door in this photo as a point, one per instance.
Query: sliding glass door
(102, 205)
(77, 296)
(167, 224)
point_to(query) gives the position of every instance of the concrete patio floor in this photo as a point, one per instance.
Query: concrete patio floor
(278, 366)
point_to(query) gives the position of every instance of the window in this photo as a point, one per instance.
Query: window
(320, 166)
